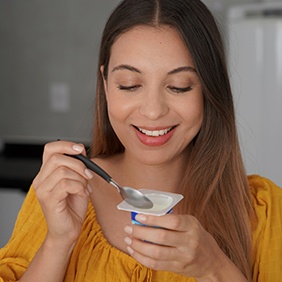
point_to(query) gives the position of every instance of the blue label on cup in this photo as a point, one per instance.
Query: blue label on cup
(134, 221)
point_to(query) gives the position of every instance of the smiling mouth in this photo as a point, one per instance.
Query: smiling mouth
(155, 133)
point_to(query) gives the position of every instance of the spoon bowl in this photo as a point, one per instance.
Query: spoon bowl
(132, 196)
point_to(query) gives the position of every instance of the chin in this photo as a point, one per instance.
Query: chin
(154, 158)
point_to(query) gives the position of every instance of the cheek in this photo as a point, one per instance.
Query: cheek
(198, 113)
(113, 102)
(115, 112)
(118, 108)
(193, 111)
(120, 105)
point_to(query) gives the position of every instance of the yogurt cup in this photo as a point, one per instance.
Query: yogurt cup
(163, 204)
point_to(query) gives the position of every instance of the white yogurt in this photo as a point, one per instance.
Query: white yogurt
(160, 201)
(163, 202)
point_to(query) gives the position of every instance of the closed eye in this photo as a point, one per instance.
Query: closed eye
(180, 89)
(129, 88)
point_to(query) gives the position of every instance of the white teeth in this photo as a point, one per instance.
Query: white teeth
(155, 133)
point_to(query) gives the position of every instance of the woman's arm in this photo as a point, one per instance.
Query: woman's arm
(224, 270)
(50, 263)
(62, 190)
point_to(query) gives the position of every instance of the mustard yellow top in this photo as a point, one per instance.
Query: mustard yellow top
(94, 259)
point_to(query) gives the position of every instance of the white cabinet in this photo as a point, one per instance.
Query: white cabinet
(255, 60)
(10, 202)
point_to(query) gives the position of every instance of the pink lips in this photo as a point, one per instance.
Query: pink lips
(154, 140)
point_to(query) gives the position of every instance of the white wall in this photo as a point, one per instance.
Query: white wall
(45, 43)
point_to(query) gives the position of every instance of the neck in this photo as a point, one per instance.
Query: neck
(165, 177)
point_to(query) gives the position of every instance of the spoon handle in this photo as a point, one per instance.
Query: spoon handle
(92, 166)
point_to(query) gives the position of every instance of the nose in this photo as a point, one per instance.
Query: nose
(154, 105)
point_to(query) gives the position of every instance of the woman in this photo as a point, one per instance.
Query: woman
(165, 121)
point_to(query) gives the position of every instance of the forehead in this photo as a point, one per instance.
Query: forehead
(157, 45)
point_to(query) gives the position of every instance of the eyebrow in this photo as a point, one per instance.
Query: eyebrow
(126, 67)
(181, 69)
(174, 71)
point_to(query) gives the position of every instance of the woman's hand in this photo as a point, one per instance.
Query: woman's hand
(180, 245)
(62, 189)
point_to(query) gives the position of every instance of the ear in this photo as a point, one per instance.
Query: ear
(102, 68)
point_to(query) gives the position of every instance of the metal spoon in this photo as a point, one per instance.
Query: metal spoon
(131, 196)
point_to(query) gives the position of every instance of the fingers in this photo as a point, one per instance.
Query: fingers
(151, 250)
(62, 189)
(55, 160)
(173, 234)
(62, 147)
(160, 258)
(61, 176)
(179, 244)
(58, 178)
(178, 231)
(154, 235)
(69, 182)
(170, 221)
(154, 256)
(61, 166)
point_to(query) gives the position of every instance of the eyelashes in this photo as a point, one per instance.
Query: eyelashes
(130, 88)
(174, 89)
(180, 89)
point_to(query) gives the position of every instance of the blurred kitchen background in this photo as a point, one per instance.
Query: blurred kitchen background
(48, 57)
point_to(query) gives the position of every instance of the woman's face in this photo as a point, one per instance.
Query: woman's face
(153, 93)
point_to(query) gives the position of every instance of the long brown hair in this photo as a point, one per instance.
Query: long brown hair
(215, 184)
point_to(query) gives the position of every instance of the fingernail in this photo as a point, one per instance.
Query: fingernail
(87, 192)
(78, 148)
(88, 173)
(128, 229)
(140, 217)
(127, 240)
(89, 188)
(130, 250)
